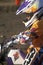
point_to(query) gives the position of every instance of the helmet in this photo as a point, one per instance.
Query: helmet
(29, 6)
(26, 4)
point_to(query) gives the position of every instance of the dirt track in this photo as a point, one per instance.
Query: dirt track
(11, 24)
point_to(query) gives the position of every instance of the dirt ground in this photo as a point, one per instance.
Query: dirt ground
(10, 24)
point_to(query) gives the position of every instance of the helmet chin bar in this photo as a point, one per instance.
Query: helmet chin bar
(35, 16)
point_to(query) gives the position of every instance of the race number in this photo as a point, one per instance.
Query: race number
(29, 58)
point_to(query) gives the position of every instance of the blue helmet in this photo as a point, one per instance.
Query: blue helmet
(27, 4)
(24, 6)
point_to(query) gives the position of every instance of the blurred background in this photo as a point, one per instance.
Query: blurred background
(10, 23)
